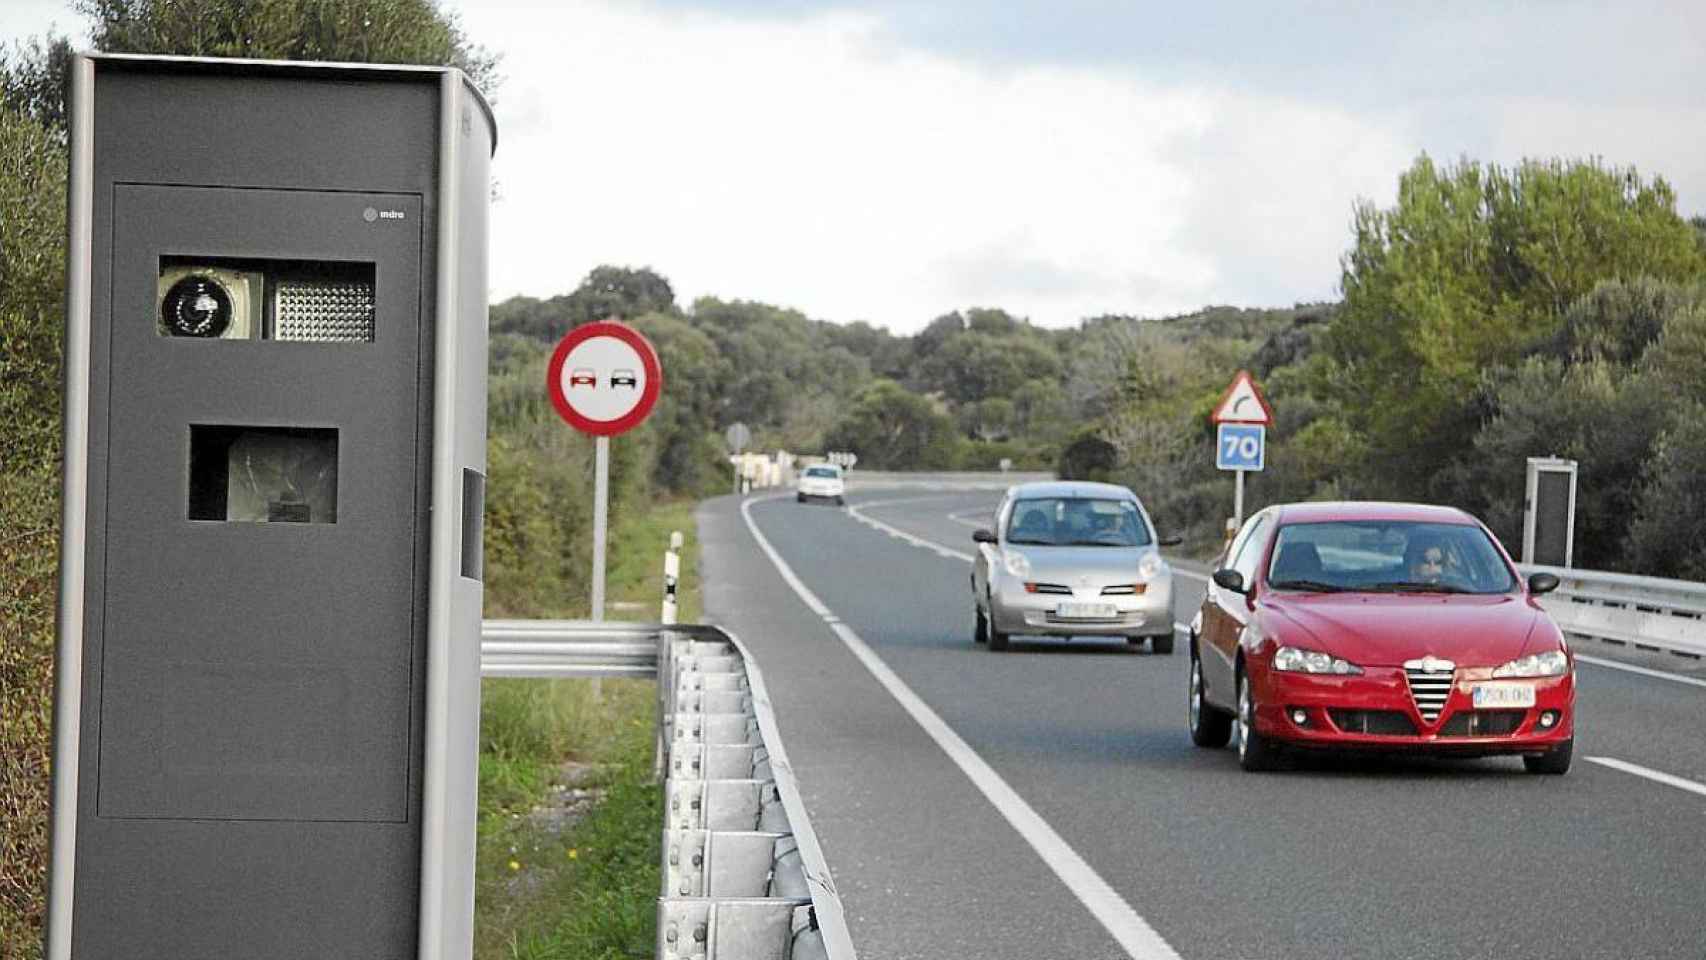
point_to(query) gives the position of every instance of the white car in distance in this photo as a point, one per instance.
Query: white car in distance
(822, 481)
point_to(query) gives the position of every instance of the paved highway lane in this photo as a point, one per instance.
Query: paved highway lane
(1376, 858)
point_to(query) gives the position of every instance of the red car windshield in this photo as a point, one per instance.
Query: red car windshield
(1387, 556)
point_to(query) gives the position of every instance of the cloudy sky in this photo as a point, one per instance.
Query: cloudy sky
(891, 160)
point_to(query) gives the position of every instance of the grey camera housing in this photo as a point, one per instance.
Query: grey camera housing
(266, 732)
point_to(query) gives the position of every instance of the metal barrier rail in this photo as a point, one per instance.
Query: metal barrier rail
(1647, 612)
(743, 875)
(568, 648)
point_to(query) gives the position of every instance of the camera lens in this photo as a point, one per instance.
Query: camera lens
(196, 306)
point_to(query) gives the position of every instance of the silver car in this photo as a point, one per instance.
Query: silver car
(1072, 559)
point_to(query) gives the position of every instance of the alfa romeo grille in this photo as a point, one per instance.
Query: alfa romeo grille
(1430, 690)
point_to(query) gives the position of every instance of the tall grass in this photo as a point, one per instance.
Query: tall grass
(587, 892)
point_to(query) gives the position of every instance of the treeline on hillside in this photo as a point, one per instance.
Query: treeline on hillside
(972, 388)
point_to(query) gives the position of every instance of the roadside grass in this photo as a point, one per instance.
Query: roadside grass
(570, 821)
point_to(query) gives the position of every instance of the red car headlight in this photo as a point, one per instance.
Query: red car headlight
(1299, 660)
(1551, 663)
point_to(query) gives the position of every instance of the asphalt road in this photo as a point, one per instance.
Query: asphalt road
(1065, 813)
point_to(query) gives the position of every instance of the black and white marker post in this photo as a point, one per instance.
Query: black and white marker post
(604, 379)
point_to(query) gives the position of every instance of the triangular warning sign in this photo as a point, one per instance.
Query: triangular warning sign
(1243, 403)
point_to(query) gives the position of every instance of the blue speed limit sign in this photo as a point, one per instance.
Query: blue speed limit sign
(1240, 446)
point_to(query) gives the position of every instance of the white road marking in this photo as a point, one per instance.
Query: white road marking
(949, 552)
(1131, 931)
(1643, 671)
(1656, 776)
(961, 519)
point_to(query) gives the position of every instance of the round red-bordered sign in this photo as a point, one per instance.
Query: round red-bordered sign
(604, 378)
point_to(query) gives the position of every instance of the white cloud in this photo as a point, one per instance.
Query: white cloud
(803, 165)
(22, 19)
(1274, 183)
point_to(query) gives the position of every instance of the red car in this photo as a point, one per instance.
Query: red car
(1380, 626)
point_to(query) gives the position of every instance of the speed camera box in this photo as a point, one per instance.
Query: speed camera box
(275, 438)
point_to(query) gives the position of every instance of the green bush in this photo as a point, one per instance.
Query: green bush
(32, 264)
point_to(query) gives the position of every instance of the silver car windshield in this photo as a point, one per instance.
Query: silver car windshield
(824, 472)
(1367, 556)
(1077, 522)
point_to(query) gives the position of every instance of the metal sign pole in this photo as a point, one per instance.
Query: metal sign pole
(600, 524)
(1238, 498)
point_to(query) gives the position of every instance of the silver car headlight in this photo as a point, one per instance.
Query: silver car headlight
(1552, 663)
(1150, 567)
(1018, 565)
(1299, 660)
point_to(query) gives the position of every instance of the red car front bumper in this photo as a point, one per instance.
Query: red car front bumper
(1376, 711)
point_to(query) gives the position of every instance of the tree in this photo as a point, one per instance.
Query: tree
(32, 80)
(1677, 357)
(1087, 457)
(976, 366)
(1474, 266)
(371, 31)
(1668, 535)
(891, 427)
(1619, 319)
(32, 265)
(987, 420)
(1597, 413)
(621, 292)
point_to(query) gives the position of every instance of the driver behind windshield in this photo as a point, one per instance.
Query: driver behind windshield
(1427, 560)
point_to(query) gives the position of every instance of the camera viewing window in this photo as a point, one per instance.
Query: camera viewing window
(263, 474)
(223, 298)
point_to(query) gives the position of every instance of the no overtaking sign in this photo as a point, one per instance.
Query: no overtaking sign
(604, 378)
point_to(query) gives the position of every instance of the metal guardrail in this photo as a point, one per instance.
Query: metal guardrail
(568, 648)
(1649, 612)
(743, 875)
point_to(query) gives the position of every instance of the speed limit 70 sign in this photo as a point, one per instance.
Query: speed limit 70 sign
(1240, 446)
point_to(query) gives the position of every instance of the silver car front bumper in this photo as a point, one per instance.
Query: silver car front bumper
(1146, 614)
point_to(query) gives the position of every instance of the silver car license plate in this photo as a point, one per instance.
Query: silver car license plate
(1081, 610)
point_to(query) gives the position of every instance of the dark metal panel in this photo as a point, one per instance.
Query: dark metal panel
(253, 706)
(235, 130)
(259, 670)
(1552, 518)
